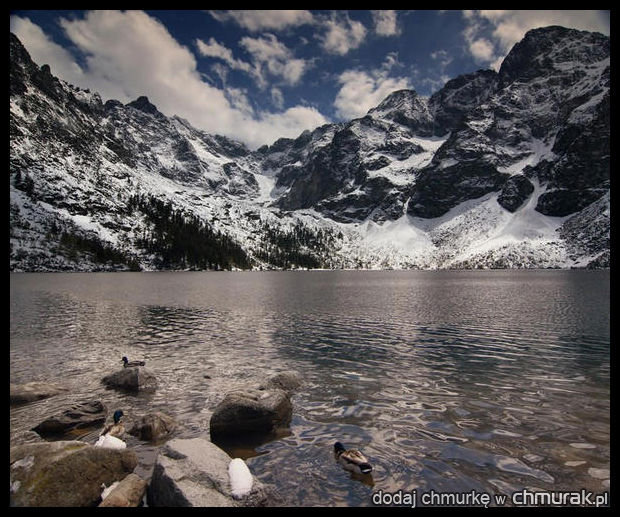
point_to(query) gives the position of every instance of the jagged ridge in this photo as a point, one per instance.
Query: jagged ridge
(505, 169)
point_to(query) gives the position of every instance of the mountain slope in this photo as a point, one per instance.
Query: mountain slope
(507, 169)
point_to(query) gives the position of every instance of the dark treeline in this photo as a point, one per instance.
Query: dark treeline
(184, 241)
(298, 247)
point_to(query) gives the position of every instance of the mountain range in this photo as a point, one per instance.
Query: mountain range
(506, 169)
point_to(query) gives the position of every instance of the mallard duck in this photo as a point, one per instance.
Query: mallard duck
(352, 459)
(130, 364)
(110, 436)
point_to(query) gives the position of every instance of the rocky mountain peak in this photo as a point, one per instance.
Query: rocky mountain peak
(548, 49)
(142, 103)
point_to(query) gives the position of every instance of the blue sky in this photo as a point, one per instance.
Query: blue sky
(259, 75)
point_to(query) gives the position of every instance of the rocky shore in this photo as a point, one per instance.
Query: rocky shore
(187, 471)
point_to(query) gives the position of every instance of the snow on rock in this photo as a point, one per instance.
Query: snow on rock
(507, 169)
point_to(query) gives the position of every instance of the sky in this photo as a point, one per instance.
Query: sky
(259, 75)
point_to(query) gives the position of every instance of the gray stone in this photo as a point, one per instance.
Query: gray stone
(287, 381)
(250, 412)
(128, 493)
(135, 378)
(31, 391)
(194, 472)
(80, 416)
(153, 426)
(64, 473)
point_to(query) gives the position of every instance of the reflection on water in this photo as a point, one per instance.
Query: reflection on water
(491, 381)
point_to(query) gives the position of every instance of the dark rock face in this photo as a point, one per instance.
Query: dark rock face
(250, 413)
(439, 190)
(514, 192)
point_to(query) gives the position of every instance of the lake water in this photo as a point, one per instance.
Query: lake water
(450, 381)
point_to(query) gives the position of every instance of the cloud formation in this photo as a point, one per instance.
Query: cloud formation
(258, 20)
(361, 90)
(385, 23)
(342, 34)
(128, 54)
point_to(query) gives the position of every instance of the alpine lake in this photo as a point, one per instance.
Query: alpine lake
(450, 382)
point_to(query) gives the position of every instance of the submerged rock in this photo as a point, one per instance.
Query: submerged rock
(128, 493)
(64, 473)
(80, 416)
(31, 391)
(153, 426)
(250, 412)
(287, 381)
(132, 379)
(194, 472)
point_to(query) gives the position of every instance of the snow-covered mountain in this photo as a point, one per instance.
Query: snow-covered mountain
(507, 169)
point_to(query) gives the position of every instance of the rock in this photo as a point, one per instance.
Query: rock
(64, 473)
(132, 379)
(194, 472)
(153, 426)
(80, 416)
(31, 391)
(287, 381)
(129, 492)
(250, 412)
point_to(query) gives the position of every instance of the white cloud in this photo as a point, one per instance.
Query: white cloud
(362, 90)
(215, 49)
(342, 34)
(270, 54)
(277, 98)
(385, 23)
(129, 54)
(490, 34)
(269, 57)
(258, 20)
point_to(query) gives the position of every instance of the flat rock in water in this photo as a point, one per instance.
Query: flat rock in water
(287, 381)
(153, 426)
(194, 472)
(135, 378)
(128, 493)
(31, 391)
(64, 473)
(250, 412)
(80, 416)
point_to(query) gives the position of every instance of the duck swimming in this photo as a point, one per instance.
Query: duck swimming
(352, 459)
(131, 364)
(110, 436)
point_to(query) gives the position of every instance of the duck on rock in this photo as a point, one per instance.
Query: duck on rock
(352, 459)
(131, 364)
(110, 437)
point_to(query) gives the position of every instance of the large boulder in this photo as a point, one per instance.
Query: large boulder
(65, 473)
(131, 379)
(80, 416)
(31, 391)
(153, 426)
(128, 493)
(250, 413)
(194, 472)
